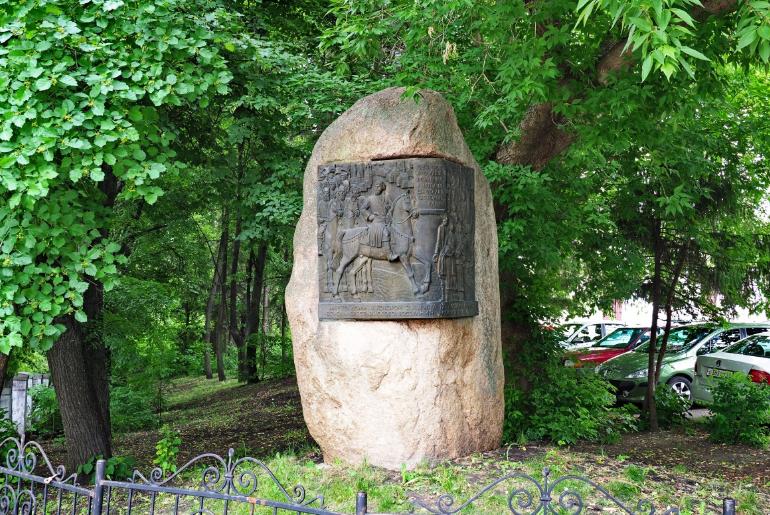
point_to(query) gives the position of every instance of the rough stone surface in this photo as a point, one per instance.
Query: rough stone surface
(407, 391)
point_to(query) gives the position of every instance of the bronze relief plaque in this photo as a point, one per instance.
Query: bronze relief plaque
(396, 240)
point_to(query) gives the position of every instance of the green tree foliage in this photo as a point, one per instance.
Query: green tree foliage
(84, 93)
(548, 95)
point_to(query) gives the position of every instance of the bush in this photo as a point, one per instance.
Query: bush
(7, 430)
(741, 410)
(118, 468)
(167, 449)
(670, 407)
(131, 409)
(44, 417)
(565, 406)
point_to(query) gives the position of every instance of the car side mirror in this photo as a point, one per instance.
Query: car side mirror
(703, 350)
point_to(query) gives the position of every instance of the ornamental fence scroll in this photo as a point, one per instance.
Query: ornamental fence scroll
(30, 484)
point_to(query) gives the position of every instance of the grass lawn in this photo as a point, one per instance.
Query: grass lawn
(671, 468)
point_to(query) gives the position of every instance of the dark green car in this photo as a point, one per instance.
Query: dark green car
(628, 372)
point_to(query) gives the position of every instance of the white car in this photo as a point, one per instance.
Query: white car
(750, 356)
(582, 335)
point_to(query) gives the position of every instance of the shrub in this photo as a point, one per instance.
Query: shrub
(565, 406)
(7, 430)
(131, 409)
(44, 417)
(117, 468)
(670, 407)
(741, 410)
(167, 449)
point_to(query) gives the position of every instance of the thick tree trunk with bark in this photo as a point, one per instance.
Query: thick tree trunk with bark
(79, 364)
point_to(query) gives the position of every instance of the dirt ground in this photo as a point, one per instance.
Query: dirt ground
(264, 419)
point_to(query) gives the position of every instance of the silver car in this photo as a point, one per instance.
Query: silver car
(750, 356)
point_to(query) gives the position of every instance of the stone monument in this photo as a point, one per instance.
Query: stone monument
(393, 301)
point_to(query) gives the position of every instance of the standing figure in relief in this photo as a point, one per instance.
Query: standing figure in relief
(443, 255)
(375, 209)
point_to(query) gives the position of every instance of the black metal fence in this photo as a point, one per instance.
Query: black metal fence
(29, 484)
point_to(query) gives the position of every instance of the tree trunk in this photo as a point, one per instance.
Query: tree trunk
(252, 319)
(264, 341)
(209, 331)
(283, 332)
(4, 359)
(79, 364)
(266, 309)
(243, 369)
(649, 398)
(221, 335)
(669, 308)
(234, 331)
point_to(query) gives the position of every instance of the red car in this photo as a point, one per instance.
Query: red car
(617, 342)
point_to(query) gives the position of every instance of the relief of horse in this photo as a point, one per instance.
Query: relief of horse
(354, 243)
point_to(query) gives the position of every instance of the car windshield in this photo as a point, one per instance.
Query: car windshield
(680, 339)
(757, 345)
(564, 331)
(619, 338)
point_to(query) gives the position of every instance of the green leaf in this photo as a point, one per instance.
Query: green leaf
(81, 317)
(684, 16)
(80, 144)
(43, 84)
(691, 51)
(14, 340)
(646, 67)
(68, 80)
(97, 175)
(135, 114)
(748, 38)
(764, 51)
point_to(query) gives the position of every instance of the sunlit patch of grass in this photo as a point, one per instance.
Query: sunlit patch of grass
(691, 506)
(748, 502)
(190, 389)
(635, 473)
(623, 490)
(680, 469)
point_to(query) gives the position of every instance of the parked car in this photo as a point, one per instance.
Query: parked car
(628, 372)
(579, 335)
(614, 344)
(750, 356)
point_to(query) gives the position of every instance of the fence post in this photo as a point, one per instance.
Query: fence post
(361, 508)
(19, 402)
(99, 478)
(728, 506)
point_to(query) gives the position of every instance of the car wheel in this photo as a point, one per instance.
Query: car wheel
(682, 386)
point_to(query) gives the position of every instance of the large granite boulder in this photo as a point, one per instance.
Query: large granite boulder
(402, 391)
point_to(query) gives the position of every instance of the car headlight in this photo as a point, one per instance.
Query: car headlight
(569, 363)
(638, 374)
